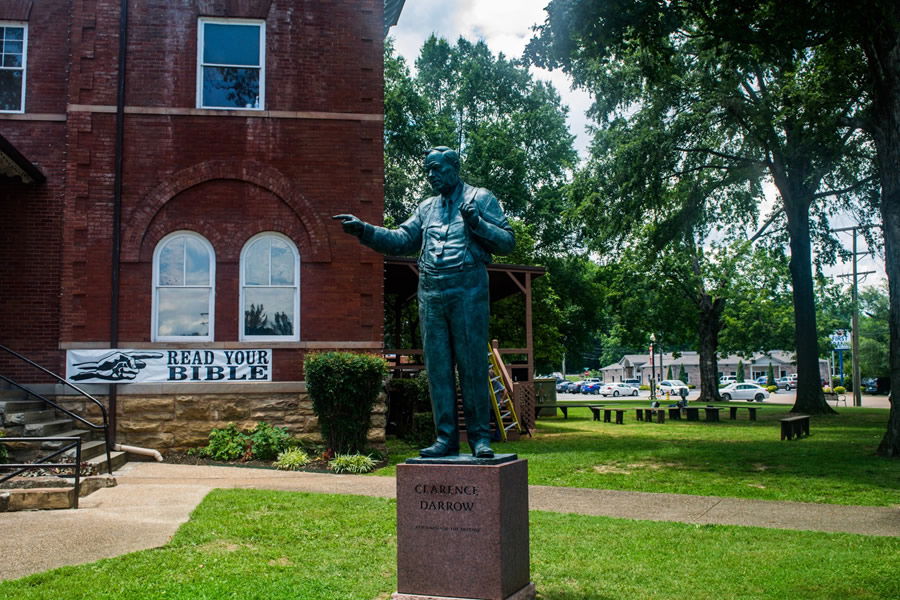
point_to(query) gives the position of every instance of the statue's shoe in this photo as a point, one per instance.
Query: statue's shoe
(438, 449)
(482, 449)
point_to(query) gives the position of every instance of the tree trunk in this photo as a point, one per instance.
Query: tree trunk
(810, 399)
(883, 56)
(710, 325)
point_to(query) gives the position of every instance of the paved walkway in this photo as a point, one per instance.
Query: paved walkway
(152, 500)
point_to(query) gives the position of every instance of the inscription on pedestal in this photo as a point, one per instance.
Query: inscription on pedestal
(462, 530)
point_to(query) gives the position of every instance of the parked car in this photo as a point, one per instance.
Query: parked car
(672, 386)
(591, 387)
(635, 383)
(743, 391)
(562, 386)
(575, 387)
(762, 381)
(785, 383)
(870, 385)
(616, 389)
(726, 379)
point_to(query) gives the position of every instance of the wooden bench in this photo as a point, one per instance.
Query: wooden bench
(751, 410)
(564, 408)
(796, 426)
(712, 413)
(692, 413)
(647, 414)
(609, 410)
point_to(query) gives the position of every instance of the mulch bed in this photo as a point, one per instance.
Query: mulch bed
(183, 458)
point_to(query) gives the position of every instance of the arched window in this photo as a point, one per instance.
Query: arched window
(270, 289)
(184, 275)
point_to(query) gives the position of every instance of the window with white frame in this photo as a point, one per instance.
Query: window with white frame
(184, 274)
(270, 289)
(231, 61)
(13, 41)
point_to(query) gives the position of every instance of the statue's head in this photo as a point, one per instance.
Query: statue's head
(442, 168)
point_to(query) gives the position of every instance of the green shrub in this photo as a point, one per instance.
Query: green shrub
(840, 389)
(227, 443)
(352, 463)
(344, 387)
(771, 388)
(4, 454)
(422, 432)
(268, 441)
(291, 460)
(644, 387)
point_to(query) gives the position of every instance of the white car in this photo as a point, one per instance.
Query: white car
(672, 386)
(617, 389)
(726, 379)
(743, 391)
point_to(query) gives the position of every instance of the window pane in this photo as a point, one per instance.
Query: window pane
(282, 263)
(231, 87)
(171, 263)
(12, 61)
(268, 311)
(14, 33)
(231, 44)
(183, 312)
(10, 90)
(256, 264)
(10, 47)
(196, 259)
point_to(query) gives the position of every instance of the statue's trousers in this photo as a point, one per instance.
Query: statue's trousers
(453, 317)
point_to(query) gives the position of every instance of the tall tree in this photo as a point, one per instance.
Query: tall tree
(727, 101)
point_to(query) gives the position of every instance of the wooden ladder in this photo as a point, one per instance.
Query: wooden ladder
(500, 385)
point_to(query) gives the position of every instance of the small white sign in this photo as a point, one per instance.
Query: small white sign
(168, 366)
(840, 339)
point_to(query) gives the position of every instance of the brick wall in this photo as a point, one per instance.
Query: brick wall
(184, 420)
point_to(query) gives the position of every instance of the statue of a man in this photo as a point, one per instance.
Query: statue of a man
(455, 233)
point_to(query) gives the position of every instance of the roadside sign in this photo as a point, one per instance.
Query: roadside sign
(840, 339)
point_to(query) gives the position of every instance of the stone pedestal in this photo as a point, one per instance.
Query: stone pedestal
(462, 529)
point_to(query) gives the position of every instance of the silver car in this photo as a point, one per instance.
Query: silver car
(743, 391)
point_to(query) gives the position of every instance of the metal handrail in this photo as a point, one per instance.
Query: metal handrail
(100, 427)
(22, 467)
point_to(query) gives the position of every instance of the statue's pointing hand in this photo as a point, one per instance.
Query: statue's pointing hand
(351, 224)
(470, 213)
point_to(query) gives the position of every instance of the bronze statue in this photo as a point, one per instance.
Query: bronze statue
(455, 233)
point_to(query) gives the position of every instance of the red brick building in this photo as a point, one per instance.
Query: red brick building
(167, 175)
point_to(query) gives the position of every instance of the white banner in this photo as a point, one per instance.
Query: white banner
(168, 366)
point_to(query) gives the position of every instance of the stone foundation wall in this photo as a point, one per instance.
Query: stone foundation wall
(184, 420)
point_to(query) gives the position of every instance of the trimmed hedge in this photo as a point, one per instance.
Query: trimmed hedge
(344, 387)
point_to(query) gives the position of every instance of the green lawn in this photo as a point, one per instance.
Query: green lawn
(742, 459)
(253, 544)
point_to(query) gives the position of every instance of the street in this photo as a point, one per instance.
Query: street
(780, 397)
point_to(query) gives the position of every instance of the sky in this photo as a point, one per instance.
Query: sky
(506, 26)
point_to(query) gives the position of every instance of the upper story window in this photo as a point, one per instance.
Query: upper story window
(13, 40)
(270, 289)
(231, 61)
(184, 273)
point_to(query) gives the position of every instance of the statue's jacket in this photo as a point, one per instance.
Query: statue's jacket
(439, 233)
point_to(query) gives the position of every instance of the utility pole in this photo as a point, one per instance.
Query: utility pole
(854, 325)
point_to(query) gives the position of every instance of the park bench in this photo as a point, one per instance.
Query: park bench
(647, 414)
(836, 398)
(619, 410)
(751, 411)
(796, 426)
(564, 408)
(712, 413)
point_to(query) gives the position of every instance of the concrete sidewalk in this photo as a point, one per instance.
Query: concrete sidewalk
(152, 500)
